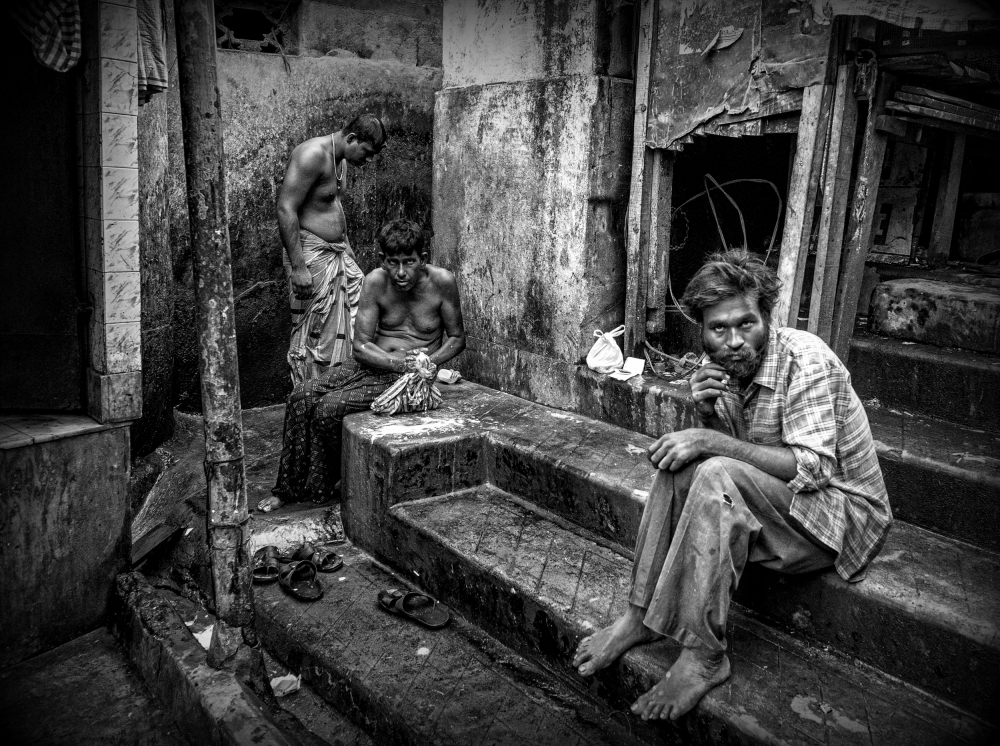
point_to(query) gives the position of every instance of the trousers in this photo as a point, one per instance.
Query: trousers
(700, 527)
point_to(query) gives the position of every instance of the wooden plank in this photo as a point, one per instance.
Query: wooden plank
(833, 214)
(802, 188)
(660, 208)
(949, 99)
(149, 541)
(942, 115)
(939, 248)
(910, 98)
(861, 218)
(636, 267)
(940, 124)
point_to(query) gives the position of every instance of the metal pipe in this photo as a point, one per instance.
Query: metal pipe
(234, 643)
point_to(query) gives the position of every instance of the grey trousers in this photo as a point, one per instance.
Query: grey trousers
(700, 527)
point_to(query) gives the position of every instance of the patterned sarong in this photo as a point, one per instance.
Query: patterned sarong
(323, 325)
(314, 418)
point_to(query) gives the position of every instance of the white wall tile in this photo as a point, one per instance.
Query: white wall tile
(124, 347)
(121, 246)
(119, 87)
(119, 140)
(120, 193)
(119, 33)
(122, 292)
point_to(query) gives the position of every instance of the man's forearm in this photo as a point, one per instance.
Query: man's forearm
(373, 355)
(451, 348)
(288, 229)
(778, 461)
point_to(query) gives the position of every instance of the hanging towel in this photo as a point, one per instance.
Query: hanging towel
(53, 28)
(152, 48)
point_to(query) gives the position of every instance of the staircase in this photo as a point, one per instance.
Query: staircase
(522, 518)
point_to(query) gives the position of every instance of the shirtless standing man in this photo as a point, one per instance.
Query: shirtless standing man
(324, 277)
(407, 306)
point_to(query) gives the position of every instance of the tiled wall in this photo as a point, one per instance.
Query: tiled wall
(109, 176)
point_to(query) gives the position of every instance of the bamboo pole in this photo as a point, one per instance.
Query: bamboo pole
(234, 643)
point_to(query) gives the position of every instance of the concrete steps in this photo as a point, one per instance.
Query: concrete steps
(945, 314)
(404, 684)
(927, 613)
(942, 382)
(542, 585)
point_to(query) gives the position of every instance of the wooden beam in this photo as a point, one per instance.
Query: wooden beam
(939, 248)
(636, 262)
(833, 214)
(861, 218)
(659, 211)
(802, 189)
(949, 99)
(931, 103)
(946, 116)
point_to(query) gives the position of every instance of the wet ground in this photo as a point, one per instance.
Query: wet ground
(79, 694)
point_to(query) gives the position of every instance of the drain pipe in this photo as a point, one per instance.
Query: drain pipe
(234, 645)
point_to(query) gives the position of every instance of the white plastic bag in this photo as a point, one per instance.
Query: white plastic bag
(606, 356)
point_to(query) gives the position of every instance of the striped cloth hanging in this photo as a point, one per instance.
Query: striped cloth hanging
(53, 28)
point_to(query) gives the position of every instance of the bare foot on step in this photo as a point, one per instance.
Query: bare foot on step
(693, 675)
(603, 648)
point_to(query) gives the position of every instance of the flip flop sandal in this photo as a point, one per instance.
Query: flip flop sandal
(266, 566)
(299, 580)
(325, 559)
(419, 607)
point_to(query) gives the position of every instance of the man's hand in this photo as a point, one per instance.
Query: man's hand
(427, 370)
(302, 283)
(674, 451)
(707, 384)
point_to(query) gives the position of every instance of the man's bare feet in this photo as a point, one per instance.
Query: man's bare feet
(692, 676)
(603, 648)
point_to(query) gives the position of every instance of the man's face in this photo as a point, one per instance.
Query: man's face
(358, 153)
(735, 334)
(404, 269)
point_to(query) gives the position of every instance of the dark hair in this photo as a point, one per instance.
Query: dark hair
(368, 128)
(729, 274)
(401, 237)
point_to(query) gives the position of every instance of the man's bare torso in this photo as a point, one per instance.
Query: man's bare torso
(321, 211)
(411, 320)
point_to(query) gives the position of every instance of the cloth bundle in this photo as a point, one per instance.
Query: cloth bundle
(413, 392)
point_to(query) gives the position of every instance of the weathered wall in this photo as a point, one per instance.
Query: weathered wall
(398, 30)
(532, 155)
(64, 536)
(268, 110)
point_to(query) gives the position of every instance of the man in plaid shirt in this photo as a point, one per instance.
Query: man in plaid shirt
(781, 470)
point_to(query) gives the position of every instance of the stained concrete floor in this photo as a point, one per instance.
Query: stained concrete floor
(79, 694)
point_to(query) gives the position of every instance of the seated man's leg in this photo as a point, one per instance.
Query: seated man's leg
(355, 392)
(699, 529)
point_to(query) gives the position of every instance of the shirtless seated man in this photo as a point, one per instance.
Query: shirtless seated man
(781, 470)
(407, 306)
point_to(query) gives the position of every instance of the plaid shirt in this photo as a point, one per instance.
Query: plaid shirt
(802, 398)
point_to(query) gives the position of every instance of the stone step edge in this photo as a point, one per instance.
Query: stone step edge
(640, 669)
(209, 705)
(348, 693)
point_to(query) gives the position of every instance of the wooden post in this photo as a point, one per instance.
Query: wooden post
(658, 227)
(234, 643)
(943, 224)
(636, 262)
(862, 215)
(836, 187)
(802, 188)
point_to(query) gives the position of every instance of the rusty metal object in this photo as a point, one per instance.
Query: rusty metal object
(234, 641)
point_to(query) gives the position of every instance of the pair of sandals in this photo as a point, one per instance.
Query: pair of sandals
(295, 573)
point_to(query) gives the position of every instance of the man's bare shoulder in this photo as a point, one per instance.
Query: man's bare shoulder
(311, 154)
(442, 278)
(377, 279)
